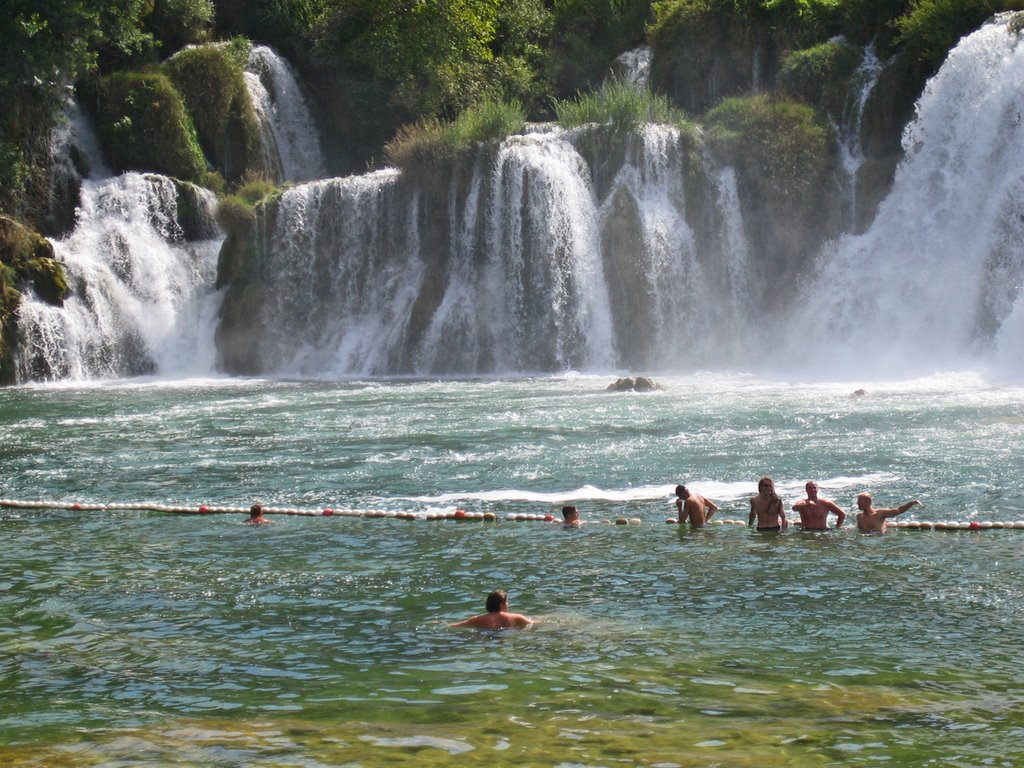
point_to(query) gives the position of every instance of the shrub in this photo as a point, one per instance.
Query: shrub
(254, 187)
(819, 75)
(144, 126)
(933, 27)
(211, 80)
(781, 146)
(429, 141)
(235, 214)
(619, 105)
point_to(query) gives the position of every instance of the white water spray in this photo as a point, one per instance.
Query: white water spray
(141, 298)
(286, 122)
(937, 276)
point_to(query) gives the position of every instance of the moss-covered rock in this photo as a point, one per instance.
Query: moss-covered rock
(144, 126)
(820, 75)
(26, 259)
(785, 155)
(212, 82)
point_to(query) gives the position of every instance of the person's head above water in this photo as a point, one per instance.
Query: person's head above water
(682, 492)
(256, 510)
(497, 601)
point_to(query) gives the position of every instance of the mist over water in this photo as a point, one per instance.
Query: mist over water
(935, 282)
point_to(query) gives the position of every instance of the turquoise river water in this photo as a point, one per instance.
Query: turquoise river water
(137, 638)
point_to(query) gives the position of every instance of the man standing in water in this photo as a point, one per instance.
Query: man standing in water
(871, 520)
(256, 516)
(814, 511)
(694, 507)
(766, 508)
(497, 616)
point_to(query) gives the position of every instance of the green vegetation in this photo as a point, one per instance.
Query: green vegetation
(783, 147)
(43, 47)
(932, 27)
(176, 23)
(143, 124)
(210, 78)
(589, 34)
(431, 140)
(412, 76)
(621, 106)
(25, 259)
(819, 75)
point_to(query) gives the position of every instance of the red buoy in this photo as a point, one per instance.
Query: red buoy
(975, 525)
(328, 512)
(203, 509)
(460, 514)
(549, 518)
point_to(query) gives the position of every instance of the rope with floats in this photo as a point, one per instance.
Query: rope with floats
(458, 514)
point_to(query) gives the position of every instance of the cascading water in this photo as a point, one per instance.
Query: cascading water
(291, 142)
(344, 275)
(519, 266)
(141, 298)
(525, 290)
(935, 283)
(851, 152)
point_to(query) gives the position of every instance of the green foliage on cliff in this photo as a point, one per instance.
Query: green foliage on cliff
(618, 105)
(144, 125)
(176, 23)
(933, 27)
(781, 147)
(430, 140)
(819, 75)
(589, 34)
(210, 78)
(44, 47)
(26, 259)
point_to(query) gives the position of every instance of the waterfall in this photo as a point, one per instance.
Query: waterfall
(633, 68)
(287, 126)
(346, 272)
(935, 283)
(140, 298)
(851, 153)
(525, 290)
(513, 263)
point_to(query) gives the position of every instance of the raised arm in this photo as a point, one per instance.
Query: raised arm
(893, 511)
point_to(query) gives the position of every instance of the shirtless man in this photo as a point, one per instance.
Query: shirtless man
(814, 511)
(497, 616)
(570, 517)
(256, 516)
(766, 508)
(690, 505)
(871, 520)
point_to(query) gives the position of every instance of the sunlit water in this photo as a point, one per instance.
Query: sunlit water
(152, 639)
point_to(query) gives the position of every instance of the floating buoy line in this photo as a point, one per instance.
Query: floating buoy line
(458, 514)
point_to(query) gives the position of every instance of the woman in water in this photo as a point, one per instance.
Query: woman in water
(766, 508)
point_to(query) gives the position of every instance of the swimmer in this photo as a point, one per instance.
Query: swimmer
(570, 517)
(497, 616)
(689, 505)
(871, 520)
(814, 510)
(766, 508)
(256, 516)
